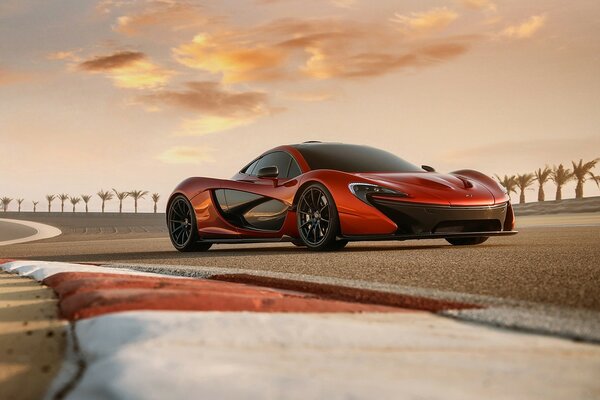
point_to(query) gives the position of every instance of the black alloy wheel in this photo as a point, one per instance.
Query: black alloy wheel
(469, 241)
(317, 219)
(183, 231)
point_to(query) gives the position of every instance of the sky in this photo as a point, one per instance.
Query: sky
(125, 94)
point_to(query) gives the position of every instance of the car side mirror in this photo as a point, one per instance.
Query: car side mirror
(428, 168)
(268, 172)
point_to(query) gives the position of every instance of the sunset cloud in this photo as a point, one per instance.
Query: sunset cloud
(211, 124)
(324, 66)
(187, 155)
(293, 49)
(424, 23)
(220, 109)
(236, 62)
(128, 69)
(485, 5)
(161, 16)
(63, 55)
(113, 61)
(212, 98)
(344, 3)
(525, 29)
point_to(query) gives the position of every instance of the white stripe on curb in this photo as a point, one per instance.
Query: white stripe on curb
(40, 270)
(219, 355)
(43, 231)
(242, 355)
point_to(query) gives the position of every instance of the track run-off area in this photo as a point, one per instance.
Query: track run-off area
(524, 309)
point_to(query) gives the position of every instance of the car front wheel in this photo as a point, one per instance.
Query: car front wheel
(317, 219)
(183, 230)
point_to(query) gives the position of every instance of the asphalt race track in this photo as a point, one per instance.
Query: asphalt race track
(12, 231)
(548, 264)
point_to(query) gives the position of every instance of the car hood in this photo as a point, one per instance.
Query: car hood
(434, 188)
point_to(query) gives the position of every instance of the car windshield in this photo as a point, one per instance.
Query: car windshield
(352, 158)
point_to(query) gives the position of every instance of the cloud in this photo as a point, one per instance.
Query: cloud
(187, 155)
(525, 29)
(128, 69)
(325, 66)
(221, 109)
(162, 15)
(485, 5)
(237, 62)
(335, 3)
(425, 23)
(113, 61)
(212, 98)
(63, 55)
(293, 49)
(211, 124)
(344, 3)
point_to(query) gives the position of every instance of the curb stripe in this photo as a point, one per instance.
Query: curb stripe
(344, 293)
(87, 291)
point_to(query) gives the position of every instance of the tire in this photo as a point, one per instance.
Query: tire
(470, 241)
(183, 229)
(317, 219)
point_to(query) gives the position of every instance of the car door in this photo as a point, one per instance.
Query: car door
(260, 205)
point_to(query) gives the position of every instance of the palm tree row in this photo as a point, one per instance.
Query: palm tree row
(581, 172)
(104, 196)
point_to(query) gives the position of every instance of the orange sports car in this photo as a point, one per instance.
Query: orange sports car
(323, 195)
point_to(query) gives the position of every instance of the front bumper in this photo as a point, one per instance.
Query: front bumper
(356, 238)
(443, 221)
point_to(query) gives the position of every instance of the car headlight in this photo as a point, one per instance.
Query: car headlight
(364, 190)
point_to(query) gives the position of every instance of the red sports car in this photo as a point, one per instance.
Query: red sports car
(323, 195)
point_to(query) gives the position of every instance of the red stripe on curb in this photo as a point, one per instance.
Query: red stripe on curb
(90, 304)
(6, 260)
(69, 283)
(84, 295)
(344, 293)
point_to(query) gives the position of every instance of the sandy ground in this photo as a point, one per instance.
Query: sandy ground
(32, 339)
(567, 206)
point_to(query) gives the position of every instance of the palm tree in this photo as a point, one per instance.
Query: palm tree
(121, 196)
(155, 198)
(50, 198)
(19, 202)
(523, 182)
(560, 176)
(86, 199)
(542, 176)
(5, 202)
(509, 183)
(104, 196)
(74, 201)
(35, 203)
(582, 171)
(63, 197)
(137, 194)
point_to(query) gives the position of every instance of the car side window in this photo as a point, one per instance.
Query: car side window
(250, 168)
(294, 169)
(286, 165)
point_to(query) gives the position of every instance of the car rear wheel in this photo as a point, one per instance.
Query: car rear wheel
(317, 219)
(466, 241)
(183, 230)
